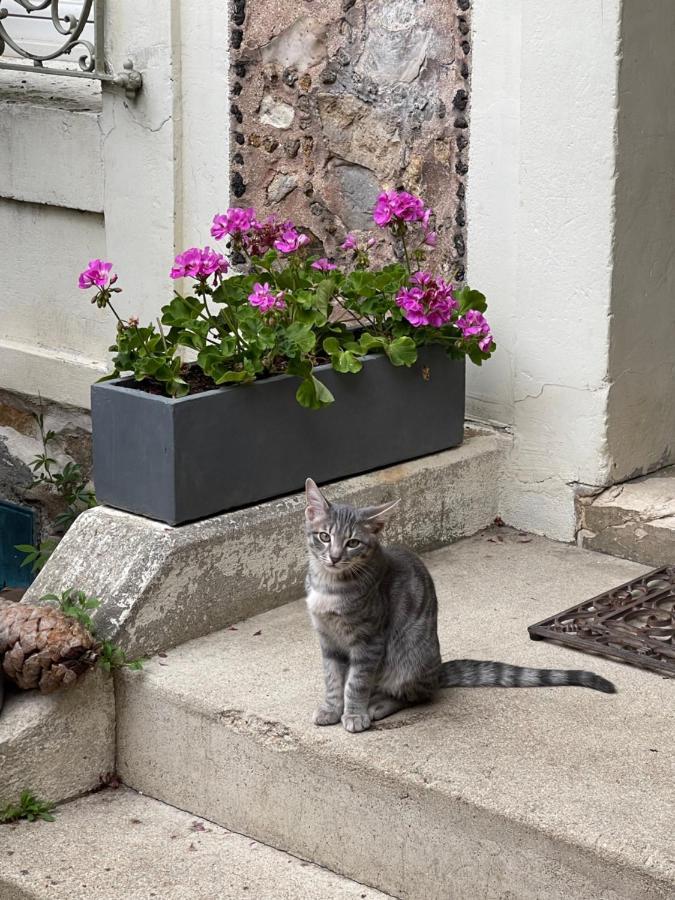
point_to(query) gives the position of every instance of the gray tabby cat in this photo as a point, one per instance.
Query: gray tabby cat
(374, 610)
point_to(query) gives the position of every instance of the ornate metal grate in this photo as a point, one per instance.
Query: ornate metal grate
(634, 622)
(67, 28)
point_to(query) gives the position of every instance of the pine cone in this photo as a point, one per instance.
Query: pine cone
(42, 647)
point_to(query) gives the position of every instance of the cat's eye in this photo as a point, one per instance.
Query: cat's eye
(324, 536)
(353, 543)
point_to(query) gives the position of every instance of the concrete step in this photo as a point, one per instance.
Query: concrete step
(161, 586)
(635, 520)
(560, 794)
(59, 745)
(118, 845)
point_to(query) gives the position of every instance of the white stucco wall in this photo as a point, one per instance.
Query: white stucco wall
(641, 413)
(540, 241)
(50, 335)
(155, 170)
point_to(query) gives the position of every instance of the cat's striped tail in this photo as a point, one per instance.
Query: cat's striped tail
(478, 673)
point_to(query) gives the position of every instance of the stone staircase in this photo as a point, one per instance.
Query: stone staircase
(558, 793)
(518, 794)
(161, 586)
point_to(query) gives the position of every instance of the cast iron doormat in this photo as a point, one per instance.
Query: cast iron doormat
(634, 622)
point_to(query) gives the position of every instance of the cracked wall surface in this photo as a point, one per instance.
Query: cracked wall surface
(333, 99)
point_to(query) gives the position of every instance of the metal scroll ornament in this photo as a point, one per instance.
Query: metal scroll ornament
(69, 28)
(634, 623)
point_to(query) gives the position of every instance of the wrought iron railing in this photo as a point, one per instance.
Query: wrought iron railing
(68, 31)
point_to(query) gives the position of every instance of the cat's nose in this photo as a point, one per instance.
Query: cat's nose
(334, 559)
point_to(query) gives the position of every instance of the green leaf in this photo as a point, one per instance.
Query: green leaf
(300, 367)
(233, 377)
(181, 312)
(332, 346)
(313, 394)
(346, 362)
(301, 337)
(370, 342)
(325, 291)
(469, 299)
(402, 351)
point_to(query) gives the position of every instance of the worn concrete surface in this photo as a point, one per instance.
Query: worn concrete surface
(565, 794)
(58, 745)
(161, 586)
(117, 845)
(635, 520)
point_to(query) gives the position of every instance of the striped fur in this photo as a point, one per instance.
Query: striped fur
(375, 612)
(475, 673)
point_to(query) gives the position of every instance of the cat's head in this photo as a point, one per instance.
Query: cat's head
(342, 537)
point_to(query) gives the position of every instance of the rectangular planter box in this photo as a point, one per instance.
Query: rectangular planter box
(185, 459)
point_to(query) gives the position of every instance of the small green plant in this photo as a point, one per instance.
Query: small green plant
(75, 604)
(28, 807)
(36, 557)
(70, 483)
(113, 657)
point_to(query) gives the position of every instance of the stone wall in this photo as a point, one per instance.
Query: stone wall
(20, 443)
(331, 100)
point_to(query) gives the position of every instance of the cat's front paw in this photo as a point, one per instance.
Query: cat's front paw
(327, 715)
(354, 723)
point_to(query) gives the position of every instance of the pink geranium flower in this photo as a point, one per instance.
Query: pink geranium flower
(428, 302)
(324, 265)
(235, 222)
(350, 243)
(196, 263)
(97, 274)
(398, 206)
(290, 239)
(264, 299)
(474, 324)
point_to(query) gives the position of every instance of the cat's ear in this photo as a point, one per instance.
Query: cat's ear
(317, 505)
(376, 517)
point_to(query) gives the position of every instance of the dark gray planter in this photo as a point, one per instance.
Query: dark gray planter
(180, 460)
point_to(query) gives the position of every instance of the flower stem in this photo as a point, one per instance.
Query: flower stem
(112, 309)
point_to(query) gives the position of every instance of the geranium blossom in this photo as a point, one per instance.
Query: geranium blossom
(264, 299)
(474, 324)
(350, 243)
(261, 236)
(196, 263)
(324, 265)
(97, 274)
(400, 206)
(236, 221)
(290, 239)
(428, 302)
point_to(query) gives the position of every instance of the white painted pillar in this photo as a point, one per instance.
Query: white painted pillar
(541, 229)
(641, 410)
(165, 152)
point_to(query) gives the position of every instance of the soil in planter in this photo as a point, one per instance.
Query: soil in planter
(197, 381)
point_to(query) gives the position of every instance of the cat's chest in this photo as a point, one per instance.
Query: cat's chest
(321, 603)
